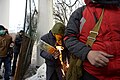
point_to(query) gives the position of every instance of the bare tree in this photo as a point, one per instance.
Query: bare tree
(30, 22)
(62, 9)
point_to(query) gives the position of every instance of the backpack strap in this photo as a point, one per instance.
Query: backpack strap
(94, 32)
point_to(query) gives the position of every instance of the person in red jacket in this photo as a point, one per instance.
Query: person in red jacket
(101, 61)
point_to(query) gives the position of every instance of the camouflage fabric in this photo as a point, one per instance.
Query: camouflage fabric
(75, 69)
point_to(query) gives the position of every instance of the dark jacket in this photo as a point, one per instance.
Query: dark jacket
(52, 64)
(17, 42)
(72, 32)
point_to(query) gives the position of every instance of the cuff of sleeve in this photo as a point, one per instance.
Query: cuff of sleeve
(84, 52)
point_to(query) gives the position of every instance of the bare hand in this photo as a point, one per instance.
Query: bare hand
(98, 58)
(56, 54)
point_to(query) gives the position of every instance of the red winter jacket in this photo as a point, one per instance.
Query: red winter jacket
(108, 40)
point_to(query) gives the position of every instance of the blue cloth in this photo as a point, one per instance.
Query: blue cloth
(7, 65)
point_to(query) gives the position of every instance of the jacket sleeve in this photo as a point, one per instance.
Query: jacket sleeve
(43, 53)
(71, 35)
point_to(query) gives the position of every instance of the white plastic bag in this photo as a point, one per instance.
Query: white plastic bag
(40, 74)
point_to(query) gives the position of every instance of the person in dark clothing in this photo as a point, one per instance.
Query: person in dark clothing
(101, 61)
(16, 50)
(54, 66)
(5, 41)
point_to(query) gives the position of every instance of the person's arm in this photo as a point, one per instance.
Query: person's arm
(71, 36)
(43, 53)
(46, 55)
